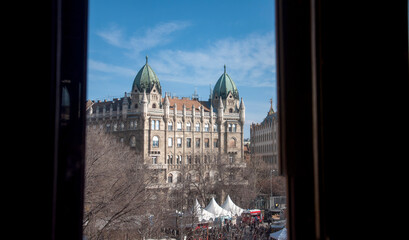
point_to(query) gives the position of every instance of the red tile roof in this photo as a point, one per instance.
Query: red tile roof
(188, 103)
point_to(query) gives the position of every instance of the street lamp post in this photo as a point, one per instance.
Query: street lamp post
(273, 173)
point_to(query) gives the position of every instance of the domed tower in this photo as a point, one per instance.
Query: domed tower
(226, 90)
(146, 81)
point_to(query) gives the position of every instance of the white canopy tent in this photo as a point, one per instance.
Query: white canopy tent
(201, 213)
(279, 235)
(218, 211)
(229, 206)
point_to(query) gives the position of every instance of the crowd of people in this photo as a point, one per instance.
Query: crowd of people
(230, 231)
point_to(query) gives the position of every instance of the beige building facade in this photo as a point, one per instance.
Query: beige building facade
(263, 138)
(174, 134)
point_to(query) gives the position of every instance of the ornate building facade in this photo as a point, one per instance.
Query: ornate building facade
(263, 138)
(174, 134)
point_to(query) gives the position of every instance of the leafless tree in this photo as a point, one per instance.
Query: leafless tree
(120, 202)
(262, 180)
(115, 193)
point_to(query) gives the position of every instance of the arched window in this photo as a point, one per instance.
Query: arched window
(216, 176)
(188, 127)
(179, 126)
(197, 127)
(170, 178)
(155, 141)
(215, 127)
(232, 142)
(230, 110)
(234, 127)
(206, 127)
(170, 126)
(133, 141)
(179, 178)
(154, 105)
(170, 159)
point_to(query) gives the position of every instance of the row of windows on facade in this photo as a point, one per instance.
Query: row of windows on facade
(265, 148)
(265, 137)
(118, 127)
(178, 178)
(155, 125)
(179, 142)
(107, 108)
(190, 160)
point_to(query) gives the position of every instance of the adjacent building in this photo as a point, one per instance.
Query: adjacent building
(263, 138)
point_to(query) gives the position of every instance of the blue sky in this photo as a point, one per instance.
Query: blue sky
(187, 42)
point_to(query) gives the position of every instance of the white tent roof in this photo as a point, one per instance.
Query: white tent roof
(218, 211)
(231, 207)
(202, 214)
(279, 235)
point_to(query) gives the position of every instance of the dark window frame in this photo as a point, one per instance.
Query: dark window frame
(296, 20)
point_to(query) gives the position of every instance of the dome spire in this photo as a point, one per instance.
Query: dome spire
(271, 111)
(224, 86)
(146, 79)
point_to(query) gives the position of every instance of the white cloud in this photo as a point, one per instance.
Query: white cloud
(112, 35)
(109, 68)
(152, 37)
(250, 62)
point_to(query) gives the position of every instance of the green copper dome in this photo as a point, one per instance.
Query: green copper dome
(146, 79)
(224, 86)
